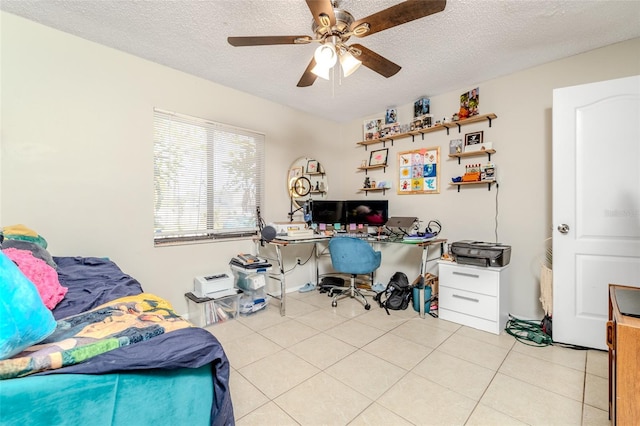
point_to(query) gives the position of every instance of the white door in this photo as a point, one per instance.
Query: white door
(596, 204)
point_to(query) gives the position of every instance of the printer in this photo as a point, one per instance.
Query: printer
(478, 253)
(212, 286)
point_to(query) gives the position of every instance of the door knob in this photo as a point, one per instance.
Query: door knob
(563, 229)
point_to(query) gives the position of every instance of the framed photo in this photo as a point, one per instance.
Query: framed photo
(474, 138)
(455, 146)
(378, 157)
(469, 103)
(372, 128)
(391, 116)
(419, 171)
(295, 172)
(313, 166)
(421, 107)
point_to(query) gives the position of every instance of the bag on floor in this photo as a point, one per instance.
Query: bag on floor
(397, 295)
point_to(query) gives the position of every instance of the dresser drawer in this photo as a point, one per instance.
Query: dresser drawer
(477, 280)
(474, 304)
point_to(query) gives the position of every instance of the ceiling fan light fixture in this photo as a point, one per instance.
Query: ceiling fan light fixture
(326, 55)
(321, 71)
(349, 63)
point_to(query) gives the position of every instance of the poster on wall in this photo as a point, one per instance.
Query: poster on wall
(419, 171)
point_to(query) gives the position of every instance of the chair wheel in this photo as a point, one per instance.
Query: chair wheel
(334, 303)
(367, 306)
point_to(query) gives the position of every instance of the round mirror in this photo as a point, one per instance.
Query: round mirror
(306, 180)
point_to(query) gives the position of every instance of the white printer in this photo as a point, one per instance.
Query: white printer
(212, 285)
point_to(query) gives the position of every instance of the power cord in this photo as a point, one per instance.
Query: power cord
(496, 216)
(528, 332)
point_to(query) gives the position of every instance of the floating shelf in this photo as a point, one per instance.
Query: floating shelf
(443, 126)
(480, 182)
(367, 190)
(473, 154)
(378, 166)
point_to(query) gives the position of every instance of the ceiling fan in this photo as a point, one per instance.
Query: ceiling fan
(333, 27)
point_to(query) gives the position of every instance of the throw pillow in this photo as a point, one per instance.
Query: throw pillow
(25, 319)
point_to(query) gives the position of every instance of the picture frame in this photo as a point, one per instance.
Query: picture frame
(455, 146)
(372, 128)
(421, 107)
(473, 141)
(313, 166)
(379, 157)
(391, 116)
(419, 171)
(469, 103)
(295, 172)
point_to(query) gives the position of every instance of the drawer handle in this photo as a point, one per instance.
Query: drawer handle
(470, 299)
(610, 335)
(466, 274)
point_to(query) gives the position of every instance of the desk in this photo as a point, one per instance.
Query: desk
(280, 275)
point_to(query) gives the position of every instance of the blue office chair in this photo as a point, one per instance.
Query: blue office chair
(352, 256)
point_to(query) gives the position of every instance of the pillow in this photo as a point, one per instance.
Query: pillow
(39, 240)
(25, 320)
(39, 273)
(19, 229)
(35, 249)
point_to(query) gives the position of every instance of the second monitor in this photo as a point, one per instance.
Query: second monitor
(367, 212)
(364, 212)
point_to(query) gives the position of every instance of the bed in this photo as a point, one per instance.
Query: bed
(117, 356)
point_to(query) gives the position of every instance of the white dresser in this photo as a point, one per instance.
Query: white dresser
(474, 296)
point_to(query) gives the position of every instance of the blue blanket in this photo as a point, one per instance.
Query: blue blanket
(94, 281)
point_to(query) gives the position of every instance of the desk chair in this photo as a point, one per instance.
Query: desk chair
(352, 256)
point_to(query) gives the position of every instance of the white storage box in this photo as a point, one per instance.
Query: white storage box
(207, 311)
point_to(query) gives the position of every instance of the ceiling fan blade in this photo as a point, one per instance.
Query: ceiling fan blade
(308, 78)
(320, 8)
(399, 14)
(377, 63)
(267, 40)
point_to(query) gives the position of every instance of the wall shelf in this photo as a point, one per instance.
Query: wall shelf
(444, 126)
(367, 190)
(480, 182)
(487, 152)
(367, 168)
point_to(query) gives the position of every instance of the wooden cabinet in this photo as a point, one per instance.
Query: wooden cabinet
(474, 296)
(623, 339)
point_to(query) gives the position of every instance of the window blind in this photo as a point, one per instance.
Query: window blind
(208, 179)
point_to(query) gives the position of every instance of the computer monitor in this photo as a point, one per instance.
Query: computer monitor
(367, 212)
(327, 212)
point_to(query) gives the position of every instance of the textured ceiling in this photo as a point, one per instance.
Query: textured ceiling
(469, 42)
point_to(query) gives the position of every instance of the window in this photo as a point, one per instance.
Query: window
(207, 177)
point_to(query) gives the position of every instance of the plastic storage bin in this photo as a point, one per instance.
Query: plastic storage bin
(249, 279)
(253, 301)
(207, 311)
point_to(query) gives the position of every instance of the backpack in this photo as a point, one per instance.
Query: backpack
(397, 294)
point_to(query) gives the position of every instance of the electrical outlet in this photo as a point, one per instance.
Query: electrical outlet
(298, 261)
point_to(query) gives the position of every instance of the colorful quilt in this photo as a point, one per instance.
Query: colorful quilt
(122, 322)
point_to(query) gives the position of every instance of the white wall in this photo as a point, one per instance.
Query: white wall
(521, 136)
(77, 163)
(77, 151)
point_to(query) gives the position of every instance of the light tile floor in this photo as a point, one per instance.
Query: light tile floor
(320, 365)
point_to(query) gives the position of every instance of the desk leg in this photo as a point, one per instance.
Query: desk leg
(283, 285)
(423, 267)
